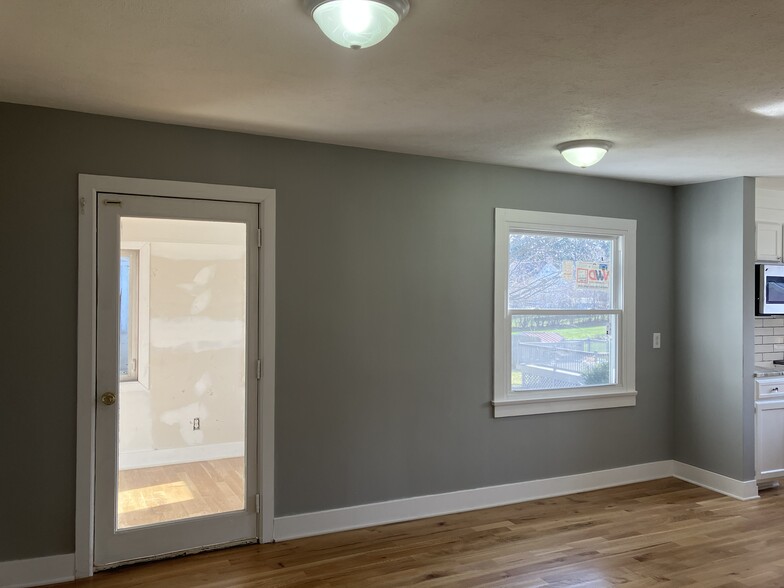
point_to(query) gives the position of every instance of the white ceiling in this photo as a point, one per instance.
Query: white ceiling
(674, 83)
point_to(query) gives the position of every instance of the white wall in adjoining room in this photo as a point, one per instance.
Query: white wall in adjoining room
(196, 361)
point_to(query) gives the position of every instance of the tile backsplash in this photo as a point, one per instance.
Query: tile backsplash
(768, 339)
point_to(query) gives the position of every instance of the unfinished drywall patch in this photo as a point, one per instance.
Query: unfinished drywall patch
(197, 308)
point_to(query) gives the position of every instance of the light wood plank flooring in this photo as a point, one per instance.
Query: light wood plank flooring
(180, 491)
(665, 532)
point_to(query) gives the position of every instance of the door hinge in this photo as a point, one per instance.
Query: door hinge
(258, 238)
(258, 502)
(258, 369)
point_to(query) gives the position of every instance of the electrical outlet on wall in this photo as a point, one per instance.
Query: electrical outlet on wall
(657, 340)
(196, 423)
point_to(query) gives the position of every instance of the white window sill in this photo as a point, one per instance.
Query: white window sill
(133, 386)
(539, 403)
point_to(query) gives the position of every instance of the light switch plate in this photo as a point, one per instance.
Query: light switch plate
(657, 340)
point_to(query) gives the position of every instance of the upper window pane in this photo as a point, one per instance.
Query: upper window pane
(560, 272)
(125, 313)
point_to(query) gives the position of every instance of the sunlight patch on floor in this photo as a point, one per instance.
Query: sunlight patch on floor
(174, 492)
(152, 496)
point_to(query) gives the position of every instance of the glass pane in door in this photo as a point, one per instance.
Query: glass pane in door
(182, 370)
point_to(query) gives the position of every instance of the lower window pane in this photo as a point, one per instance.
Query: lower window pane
(557, 351)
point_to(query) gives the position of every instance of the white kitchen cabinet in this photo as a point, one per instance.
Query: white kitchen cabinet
(769, 421)
(768, 241)
(770, 439)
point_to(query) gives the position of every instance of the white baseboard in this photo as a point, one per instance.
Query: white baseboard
(406, 509)
(132, 460)
(366, 515)
(716, 482)
(37, 571)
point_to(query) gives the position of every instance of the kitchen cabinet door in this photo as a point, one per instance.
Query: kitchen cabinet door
(770, 439)
(768, 241)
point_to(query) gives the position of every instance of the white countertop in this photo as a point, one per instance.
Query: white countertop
(768, 370)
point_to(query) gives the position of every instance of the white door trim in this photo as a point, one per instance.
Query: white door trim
(89, 187)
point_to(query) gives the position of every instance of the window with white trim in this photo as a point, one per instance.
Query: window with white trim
(129, 315)
(134, 343)
(564, 312)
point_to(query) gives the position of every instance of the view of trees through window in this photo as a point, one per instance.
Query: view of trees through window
(562, 300)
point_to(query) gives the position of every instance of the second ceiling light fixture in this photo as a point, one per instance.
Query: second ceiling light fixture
(357, 24)
(584, 152)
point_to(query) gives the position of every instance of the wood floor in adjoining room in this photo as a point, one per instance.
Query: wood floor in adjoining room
(659, 533)
(179, 491)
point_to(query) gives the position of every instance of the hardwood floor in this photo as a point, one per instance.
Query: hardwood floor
(179, 491)
(665, 532)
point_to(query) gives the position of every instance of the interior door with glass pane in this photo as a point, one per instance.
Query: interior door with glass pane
(176, 420)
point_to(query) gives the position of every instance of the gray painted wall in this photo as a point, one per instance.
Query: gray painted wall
(714, 405)
(384, 315)
(749, 300)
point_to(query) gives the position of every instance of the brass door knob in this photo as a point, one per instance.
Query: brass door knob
(108, 398)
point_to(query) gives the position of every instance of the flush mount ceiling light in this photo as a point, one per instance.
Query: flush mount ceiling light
(775, 109)
(357, 23)
(585, 152)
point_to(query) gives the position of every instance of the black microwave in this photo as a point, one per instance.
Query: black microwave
(770, 289)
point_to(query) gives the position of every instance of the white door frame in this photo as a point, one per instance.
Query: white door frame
(89, 187)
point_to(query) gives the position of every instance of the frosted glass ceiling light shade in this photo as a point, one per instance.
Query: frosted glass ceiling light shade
(357, 23)
(584, 153)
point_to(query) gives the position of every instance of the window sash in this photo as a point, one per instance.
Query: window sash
(616, 284)
(133, 316)
(614, 354)
(139, 315)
